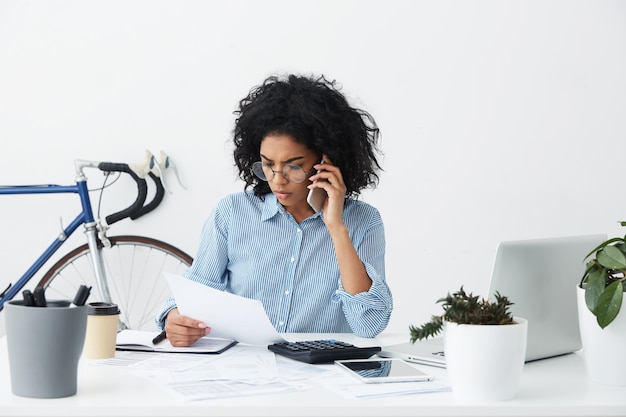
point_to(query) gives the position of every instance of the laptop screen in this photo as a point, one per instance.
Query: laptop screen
(539, 276)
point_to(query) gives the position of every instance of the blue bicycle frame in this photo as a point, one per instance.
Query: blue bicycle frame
(85, 217)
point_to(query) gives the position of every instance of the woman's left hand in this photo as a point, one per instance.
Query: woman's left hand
(330, 179)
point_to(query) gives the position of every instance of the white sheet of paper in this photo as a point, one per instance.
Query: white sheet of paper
(228, 315)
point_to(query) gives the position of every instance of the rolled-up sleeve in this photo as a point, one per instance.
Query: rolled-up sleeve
(368, 313)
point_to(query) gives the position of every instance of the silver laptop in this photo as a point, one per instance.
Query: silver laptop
(539, 276)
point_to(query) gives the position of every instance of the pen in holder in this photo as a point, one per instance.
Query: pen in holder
(40, 297)
(81, 295)
(29, 298)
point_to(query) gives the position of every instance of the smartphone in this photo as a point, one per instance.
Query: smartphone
(316, 197)
(382, 370)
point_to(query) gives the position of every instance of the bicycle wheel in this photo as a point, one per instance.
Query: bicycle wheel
(134, 267)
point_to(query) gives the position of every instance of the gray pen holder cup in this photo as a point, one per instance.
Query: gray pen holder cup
(44, 345)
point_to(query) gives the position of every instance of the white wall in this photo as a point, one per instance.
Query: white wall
(500, 119)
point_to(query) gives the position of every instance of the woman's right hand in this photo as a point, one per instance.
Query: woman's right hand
(182, 330)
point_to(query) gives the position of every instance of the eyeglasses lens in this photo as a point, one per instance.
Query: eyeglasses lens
(293, 173)
(257, 169)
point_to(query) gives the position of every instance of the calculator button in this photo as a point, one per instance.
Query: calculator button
(322, 351)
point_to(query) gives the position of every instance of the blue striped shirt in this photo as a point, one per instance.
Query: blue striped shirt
(256, 249)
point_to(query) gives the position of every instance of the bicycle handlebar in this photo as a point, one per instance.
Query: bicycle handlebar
(158, 197)
(138, 172)
(138, 208)
(142, 192)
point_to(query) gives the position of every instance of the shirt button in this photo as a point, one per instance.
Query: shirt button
(286, 292)
(293, 259)
(299, 230)
(281, 323)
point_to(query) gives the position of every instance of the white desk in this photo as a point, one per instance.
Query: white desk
(552, 387)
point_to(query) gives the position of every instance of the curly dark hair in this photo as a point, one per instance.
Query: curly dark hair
(316, 114)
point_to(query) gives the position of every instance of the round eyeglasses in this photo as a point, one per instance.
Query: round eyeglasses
(291, 172)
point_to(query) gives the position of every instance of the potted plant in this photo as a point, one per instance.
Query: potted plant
(484, 345)
(602, 325)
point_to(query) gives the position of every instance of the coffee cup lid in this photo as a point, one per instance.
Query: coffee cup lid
(102, 309)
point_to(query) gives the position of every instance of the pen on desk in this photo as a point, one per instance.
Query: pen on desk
(40, 298)
(159, 338)
(29, 300)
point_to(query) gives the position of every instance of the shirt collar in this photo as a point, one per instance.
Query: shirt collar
(271, 207)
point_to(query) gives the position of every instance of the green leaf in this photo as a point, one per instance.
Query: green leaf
(605, 243)
(595, 286)
(591, 266)
(432, 328)
(609, 303)
(612, 258)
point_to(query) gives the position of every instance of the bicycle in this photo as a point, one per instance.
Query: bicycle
(126, 270)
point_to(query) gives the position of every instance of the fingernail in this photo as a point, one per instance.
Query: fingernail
(202, 326)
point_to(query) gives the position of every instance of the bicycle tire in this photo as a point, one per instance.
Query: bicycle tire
(134, 267)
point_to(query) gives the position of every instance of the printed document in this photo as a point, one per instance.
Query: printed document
(228, 315)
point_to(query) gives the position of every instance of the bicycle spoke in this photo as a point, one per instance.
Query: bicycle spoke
(134, 269)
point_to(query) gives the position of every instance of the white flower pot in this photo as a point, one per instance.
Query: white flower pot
(485, 362)
(603, 349)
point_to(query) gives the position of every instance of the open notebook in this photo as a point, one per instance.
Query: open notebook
(539, 276)
(143, 341)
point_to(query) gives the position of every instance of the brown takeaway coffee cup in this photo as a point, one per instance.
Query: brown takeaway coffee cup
(102, 323)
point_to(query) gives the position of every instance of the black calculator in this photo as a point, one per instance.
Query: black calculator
(322, 351)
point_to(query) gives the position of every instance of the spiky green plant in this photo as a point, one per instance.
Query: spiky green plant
(604, 279)
(463, 308)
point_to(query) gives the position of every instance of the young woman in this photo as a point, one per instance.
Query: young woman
(313, 271)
